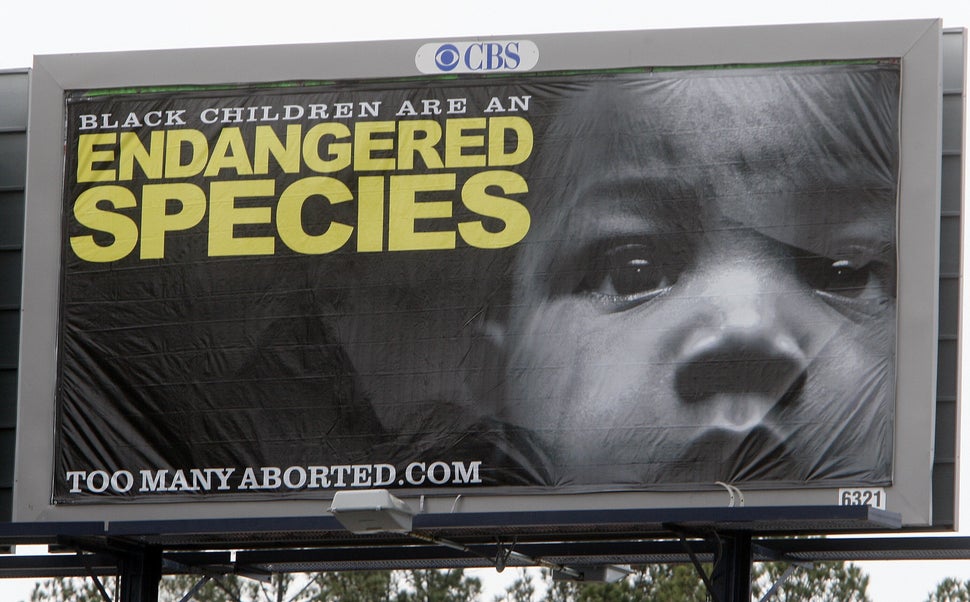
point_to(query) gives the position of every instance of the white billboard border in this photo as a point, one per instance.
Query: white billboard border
(916, 43)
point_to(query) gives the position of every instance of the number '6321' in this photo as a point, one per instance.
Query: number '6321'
(875, 497)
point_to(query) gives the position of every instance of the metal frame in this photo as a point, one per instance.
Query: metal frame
(916, 43)
(578, 543)
(731, 538)
(142, 551)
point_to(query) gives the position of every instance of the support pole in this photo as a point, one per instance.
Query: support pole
(731, 577)
(141, 570)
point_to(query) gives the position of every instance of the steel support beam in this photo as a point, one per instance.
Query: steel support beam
(731, 575)
(141, 570)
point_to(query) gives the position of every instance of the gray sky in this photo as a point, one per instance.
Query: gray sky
(59, 26)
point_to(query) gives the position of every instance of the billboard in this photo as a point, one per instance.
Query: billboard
(613, 283)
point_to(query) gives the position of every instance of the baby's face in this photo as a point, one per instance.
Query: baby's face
(713, 302)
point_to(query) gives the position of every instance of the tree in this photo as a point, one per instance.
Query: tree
(365, 586)
(70, 590)
(360, 586)
(521, 590)
(225, 589)
(173, 587)
(431, 585)
(656, 582)
(666, 583)
(823, 582)
(951, 590)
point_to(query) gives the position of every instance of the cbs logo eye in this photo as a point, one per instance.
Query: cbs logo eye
(447, 57)
(476, 57)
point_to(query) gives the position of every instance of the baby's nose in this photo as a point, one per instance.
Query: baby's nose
(741, 339)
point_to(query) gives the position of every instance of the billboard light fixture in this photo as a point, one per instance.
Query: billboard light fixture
(370, 511)
(607, 573)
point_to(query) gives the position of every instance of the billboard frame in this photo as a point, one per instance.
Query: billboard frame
(915, 43)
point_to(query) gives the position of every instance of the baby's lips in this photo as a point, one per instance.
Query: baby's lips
(739, 412)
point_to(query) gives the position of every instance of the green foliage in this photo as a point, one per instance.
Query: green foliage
(174, 587)
(521, 590)
(660, 583)
(437, 586)
(170, 588)
(365, 586)
(359, 586)
(824, 582)
(71, 590)
(951, 590)
(666, 583)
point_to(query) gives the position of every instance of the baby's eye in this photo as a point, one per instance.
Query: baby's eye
(842, 277)
(626, 275)
(858, 287)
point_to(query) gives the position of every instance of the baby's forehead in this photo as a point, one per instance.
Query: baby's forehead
(820, 220)
(801, 154)
(762, 123)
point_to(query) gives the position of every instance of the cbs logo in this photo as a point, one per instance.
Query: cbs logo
(478, 56)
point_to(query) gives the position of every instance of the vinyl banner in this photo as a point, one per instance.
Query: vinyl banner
(637, 280)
